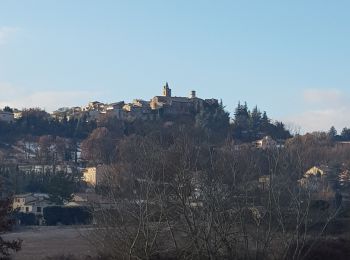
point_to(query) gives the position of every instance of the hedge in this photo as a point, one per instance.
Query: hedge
(54, 215)
(26, 219)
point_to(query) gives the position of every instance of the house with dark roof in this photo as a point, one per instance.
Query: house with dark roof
(31, 203)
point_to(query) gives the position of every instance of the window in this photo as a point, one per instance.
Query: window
(27, 209)
(38, 209)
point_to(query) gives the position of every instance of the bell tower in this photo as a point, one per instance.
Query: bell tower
(193, 94)
(166, 90)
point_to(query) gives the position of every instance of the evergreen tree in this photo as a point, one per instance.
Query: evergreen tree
(265, 123)
(332, 133)
(249, 126)
(255, 121)
(241, 121)
(279, 132)
(214, 119)
(8, 109)
(345, 134)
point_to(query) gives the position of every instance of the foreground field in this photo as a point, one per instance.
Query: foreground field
(40, 242)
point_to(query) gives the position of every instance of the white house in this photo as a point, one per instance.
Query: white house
(266, 143)
(17, 114)
(31, 202)
(7, 117)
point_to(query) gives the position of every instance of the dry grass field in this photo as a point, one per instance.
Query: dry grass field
(40, 242)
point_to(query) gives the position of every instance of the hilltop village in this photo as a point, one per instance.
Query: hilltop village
(73, 148)
(165, 105)
(166, 158)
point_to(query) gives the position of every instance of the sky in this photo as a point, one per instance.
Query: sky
(290, 58)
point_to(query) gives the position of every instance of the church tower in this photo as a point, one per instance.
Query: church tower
(193, 94)
(166, 90)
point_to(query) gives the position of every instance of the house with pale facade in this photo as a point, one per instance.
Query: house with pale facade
(90, 176)
(31, 203)
(266, 143)
(17, 114)
(96, 175)
(7, 117)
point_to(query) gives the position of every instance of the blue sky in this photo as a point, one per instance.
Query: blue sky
(291, 58)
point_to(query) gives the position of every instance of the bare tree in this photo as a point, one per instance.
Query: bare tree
(188, 199)
(99, 147)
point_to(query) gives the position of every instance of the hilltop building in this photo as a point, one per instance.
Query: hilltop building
(166, 90)
(179, 105)
(165, 104)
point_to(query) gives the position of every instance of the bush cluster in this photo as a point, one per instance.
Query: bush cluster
(54, 215)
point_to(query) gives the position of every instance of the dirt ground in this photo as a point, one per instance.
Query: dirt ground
(40, 242)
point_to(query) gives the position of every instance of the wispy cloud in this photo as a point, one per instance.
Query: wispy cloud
(322, 96)
(321, 109)
(6, 32)
(49, 100)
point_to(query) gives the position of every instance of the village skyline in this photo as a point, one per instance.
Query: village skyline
(291, 59)
(141, 108)
(174, 129)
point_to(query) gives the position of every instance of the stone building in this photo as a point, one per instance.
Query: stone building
(166, 90)
(179, 105)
